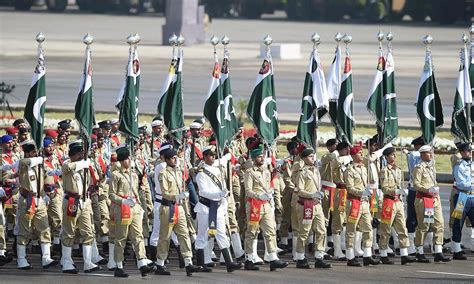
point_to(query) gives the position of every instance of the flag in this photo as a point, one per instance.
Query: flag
(232, 124)
(84, 108)
(314, 100)
(334, 87)
(262, 109)
(471, 76)
(214, 106)
(345, 118)
(128, 101)
(168, 85)
(390, 128)
(428, 102)
(375, 101)
(36, 102)
(462, 102)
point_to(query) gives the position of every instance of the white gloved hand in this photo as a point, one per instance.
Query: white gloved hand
(84, 164)
(36, 161)
(228, 156)
(434, 189)
(264, 197)
(182, 196)
(318, 195)
(56, 172)
(128, 201)
(223, 193)
(405, 151)
(401, 191)
(367, 193)
(2, 192)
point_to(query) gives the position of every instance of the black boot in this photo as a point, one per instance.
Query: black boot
(353, 262)
(249, 265)
(439, 257)
(200, 260)
(386, 260)
(275, 264)
(120, 273)
(230, 265)
(145, 269)
(407, 259)
(302, 263)
(459, 256)
(370, 261)
(4, 259)
(190, 269)
(421, 258)
(161, 270)
(14, 245)
(320, 263)
(105, 248)
(180, 257)
(153, 251)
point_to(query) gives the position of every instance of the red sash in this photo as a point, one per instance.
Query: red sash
(342, 199)
(103, 167)
(49, 163)
(255, 208)
(308, 205)
(355, 209)
(116, 139)
(429, 209)
(126, 214)
(196, 150)
(331, 187)
(157, 144)
(374, 201)
(175, 213)
(72, 207)
(10, 161)
(387, 210)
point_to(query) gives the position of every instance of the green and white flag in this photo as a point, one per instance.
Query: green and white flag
(428, 102)
(262, 108)
(128, 99)
(390, 128)
(462, 102)
(345, 104)
(375, 101)
(334, 87)
(232, 125)
(315, 102)
(36, 102)
(84, 108)
(168, 85)
(214, 106)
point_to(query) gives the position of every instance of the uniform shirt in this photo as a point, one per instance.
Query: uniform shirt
(326, 159)
(120, 186)
(308, 181)
(355, 178)
(391, 179)
(424, 176)
(171, 182)
(414, 159)
(9, 175)
(286, 169)
(158, 168)
(257, 181)
(73, 179)
(463, 174)
(238, 147)
(52, 163)
(208, 189)
(28, 176)
(338, 167)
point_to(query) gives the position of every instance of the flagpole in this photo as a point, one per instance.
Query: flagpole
(467, 109)
(316, 40)
(40, 39)
(338, 38)
(380, 128)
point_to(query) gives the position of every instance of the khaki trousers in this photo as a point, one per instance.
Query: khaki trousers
(363, 223)
(266, 224)
(55, 214)
(132, 231)
(286, 212)
(26, 224)
(82, 223)
(398, 221)
(437, 227)
(318, 226)
(180, 229)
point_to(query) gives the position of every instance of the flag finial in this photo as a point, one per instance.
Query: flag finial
(347, 39)
(315, 39)
(131, 39)
(137, 38)
(88, 39)
(267, 40)
(40, 38)
(225, 40)
(173, 39)
(427, 40)
(338, 37)
(180, 40)
(389, 36)
(380, 36)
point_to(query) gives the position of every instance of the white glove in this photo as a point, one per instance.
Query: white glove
(182, 196)
(318, 195)
(7, 167)
(128, 201)
(223, 193)
(367, 193)
(227, 156)
(56, 172)
(402, 191)
(2, 192)
(36, 161)
(84, 164)
(434, 189)
(265, 197)
(346, 159)
(405, 151)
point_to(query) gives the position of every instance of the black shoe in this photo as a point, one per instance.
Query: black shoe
(105, 248)
(327, 257)
(161, 270)
(274, 265)
(459, 256)
(302, 263)
(145, 269)
(103, 261)
(190, 269)
(421, 258)
(240, 259)
(120, 273)
(407, 259)
(386, 260)
(354, 262)
(341, 258)
(320, 263)
(71, 271)
(230, 265)
(330, 251)
(29, 267)
(390, 254)
(210, 264)
(200, 261)
(330, 244)
(4, 259)
(439, 257)
(370, 261)
(53, 263)
(249, 265)
(93, 269)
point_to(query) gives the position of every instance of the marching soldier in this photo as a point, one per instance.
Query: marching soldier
(157, 137)
(127, 214)
(77, 209)
(260, 213)
(463, 198)
(4, 257)
(62, 147)
(65, 125)
(31, 210)
(358, 209)
(173, 216)
(114, 133)
(428, 207)
(393, 211)
(310, 212)
(8, 182)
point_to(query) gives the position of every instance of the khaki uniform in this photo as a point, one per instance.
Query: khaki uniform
(338, 215)
(326, 176)
(8, 182)
(54, 190)
(73, 187)
(171, 184)
(144, 194)
(232, 205)
(257, 182)
(392, 179)
(279, 188)
(99, 196)
(355, 178)
(297, 165)
(308, 182)
(124, 186)
(286, 199)
(424, 178)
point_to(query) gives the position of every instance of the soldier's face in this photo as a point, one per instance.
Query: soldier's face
(391, 158)
(309, 160)
(49, 150)
(115, 127)
(196, 132)
(125, 163)
(157, 130)
(426, 156)
(332, 148)
(62, 139)
(106, 132)
(100, 142)
(172, 161)
(31, 154)
(466, 154)
(259, 160)
(357, 157)
(209, 159)
(344, 152)
(8, 146)
(374, 147)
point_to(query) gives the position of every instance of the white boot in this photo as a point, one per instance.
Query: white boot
(46, 260)
(237, 245)
(343, 238)
(337, 246)
(411, 240)
(96, 257)
(266, 257)
(111, 264)
(87, 256)
(21, 257)
(256, 258)
(358, 244)
(68, 263)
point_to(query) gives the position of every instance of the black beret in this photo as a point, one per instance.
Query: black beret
(18, 122)
(64, 124)
(464, 147)
(331, 142)
(388, 151)
(418, 141)
(291, 145)
(342, 145)
(105, 124)
(169, 153)
(28, 146)
(306, 152)
(122, 153)
(76, 147)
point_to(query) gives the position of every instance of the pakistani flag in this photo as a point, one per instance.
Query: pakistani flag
(168, 85)
(262, 109)
(345, 108)
(84, 109)
(315, 99)
(462, 102)
(128, 100)
(229, 114)
(334, 87)
(214, 106)
(428, 102)
(390, 128)
(375, 101)
(36, 102)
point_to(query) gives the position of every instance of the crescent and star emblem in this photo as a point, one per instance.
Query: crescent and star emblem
(37, 109)
(347, 106)
(426, 108)
(263, 108)
(309, 99)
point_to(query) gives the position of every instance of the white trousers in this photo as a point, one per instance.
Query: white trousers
(203, 235)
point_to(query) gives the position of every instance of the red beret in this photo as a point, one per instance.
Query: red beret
(355, 150)
(11, 130)
(93, 136)
(300, 148)
(51, 133)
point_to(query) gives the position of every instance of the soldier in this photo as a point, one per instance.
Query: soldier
(62, 147)
(23, 134)
(173, 216)
(127, 214)
(157, 137)
(31, 210)
(4, 257)
(114, 133)
(260, 215)
(77, 209)
(310, 212)
(428, 206)
(464, 197)
(19, 123)
(393, 211)
(105, 129)
(358, 209)
(8, 181)
(65, 125)
(211, 209)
